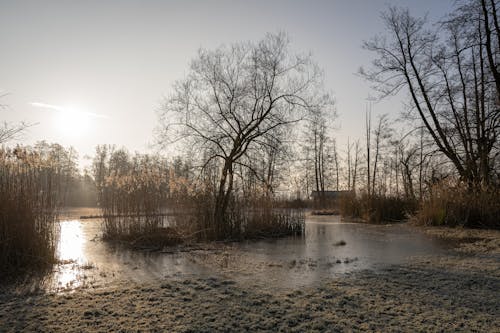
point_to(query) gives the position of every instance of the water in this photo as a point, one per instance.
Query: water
(328, 248)
(86, 260)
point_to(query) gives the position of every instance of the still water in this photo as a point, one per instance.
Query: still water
(329, 247)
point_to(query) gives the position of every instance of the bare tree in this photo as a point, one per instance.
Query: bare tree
(357, 152)
(407, 156)
(349, 164)
(368, 131)
(10, 131)
(382, 133)
(452, 89)
(260, 168)
(233, 100)
(336, 165)
(319, 149)
(488, 16)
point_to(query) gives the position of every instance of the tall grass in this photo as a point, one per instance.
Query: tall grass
(457, 205)
(31, 183)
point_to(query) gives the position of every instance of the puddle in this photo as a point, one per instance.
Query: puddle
(329, 247)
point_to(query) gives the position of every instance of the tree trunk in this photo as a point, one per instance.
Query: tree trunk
(222, 200)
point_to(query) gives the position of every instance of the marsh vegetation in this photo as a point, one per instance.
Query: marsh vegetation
(32, 184)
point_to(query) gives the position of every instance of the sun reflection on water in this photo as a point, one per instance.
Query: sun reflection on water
(71, 242)
(71, 255)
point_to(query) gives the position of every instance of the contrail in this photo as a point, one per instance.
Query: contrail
(66, 109)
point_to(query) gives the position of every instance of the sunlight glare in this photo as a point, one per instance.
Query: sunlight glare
(71, 242)
(70, 253)
(72, 122)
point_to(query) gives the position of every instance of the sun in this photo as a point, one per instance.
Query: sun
(72, 122)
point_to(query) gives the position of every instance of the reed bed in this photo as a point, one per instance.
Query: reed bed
(245, 219)
(135, 190)
(377, 208)
(132, 196)
(457, 205)
(31, 182)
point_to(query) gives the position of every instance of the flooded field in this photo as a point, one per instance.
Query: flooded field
(329, 247)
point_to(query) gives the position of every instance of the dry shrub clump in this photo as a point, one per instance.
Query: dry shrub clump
(457, 205)
(31, 182)
(377, 208)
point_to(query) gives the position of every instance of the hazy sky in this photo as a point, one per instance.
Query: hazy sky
(92, 72)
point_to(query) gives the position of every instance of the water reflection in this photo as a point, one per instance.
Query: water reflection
(70, 247)
(71, 256)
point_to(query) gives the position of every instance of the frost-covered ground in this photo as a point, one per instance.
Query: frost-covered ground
(456, 291)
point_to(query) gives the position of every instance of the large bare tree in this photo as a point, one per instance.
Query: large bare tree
(234, 99)
(451, 76)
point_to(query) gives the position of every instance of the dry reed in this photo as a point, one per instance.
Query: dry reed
(457, 205)
(245, 218)
(31, 183)
(377, 208)
(132, 196)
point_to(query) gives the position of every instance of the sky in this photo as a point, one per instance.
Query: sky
(96, 72)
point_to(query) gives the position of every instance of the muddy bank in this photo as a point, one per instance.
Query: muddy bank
(459, 291)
